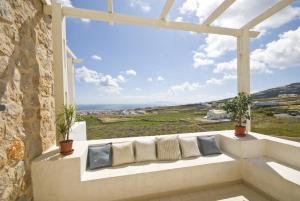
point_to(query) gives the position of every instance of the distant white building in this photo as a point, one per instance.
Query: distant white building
(287, 95)
(141, 112)
(128, 112)
(264, 104)
(217, 115)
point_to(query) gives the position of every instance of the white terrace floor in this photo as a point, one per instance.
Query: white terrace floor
(234, 192)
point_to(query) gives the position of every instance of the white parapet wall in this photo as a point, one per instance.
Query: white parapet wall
(78, 131)
(250, 159)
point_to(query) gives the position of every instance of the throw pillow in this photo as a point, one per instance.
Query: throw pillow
(208, 145)
(122, 153)
(189, 147)
(168, 148)
(145, 150)
(99, 156)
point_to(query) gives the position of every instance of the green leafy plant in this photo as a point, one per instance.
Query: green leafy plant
(238, 108)
(65, 121)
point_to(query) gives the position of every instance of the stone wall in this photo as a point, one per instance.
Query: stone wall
(26, 93)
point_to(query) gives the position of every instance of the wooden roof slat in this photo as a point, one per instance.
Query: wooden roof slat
(166, 9)
(268, 13)
(218, 12)
(110, 6)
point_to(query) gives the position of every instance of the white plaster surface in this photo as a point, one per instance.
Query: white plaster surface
(78, 131)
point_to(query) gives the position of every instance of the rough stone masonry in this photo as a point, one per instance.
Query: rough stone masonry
(27, 124)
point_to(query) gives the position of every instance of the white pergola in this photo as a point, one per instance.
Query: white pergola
(242, 34)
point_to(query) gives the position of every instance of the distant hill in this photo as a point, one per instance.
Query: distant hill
(293, 88)
(274, 92)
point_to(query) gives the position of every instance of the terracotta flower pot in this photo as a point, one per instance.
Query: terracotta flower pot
(66, 147)
(240, 131)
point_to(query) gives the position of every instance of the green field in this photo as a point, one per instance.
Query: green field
(184, 119)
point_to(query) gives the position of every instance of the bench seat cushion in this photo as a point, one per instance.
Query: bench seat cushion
(156, 166)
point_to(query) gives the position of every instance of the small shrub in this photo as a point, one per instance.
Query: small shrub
(269, 114)
(238, 108)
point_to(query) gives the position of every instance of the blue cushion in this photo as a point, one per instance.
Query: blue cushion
(99, 156)
(208, 145)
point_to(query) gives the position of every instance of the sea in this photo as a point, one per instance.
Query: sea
(111, 107)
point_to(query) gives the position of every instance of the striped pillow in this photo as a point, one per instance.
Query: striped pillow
(168, 148)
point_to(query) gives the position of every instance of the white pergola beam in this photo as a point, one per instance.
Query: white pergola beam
(110, 6)
(218, 12)
(268, 13)
(127, 19)
(166, 9)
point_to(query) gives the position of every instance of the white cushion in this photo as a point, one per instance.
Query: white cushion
(122, 153)
(189, 147)
(168, 148)
(145, 150)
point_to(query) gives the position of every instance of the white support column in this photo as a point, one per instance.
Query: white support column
(70, 73)
(59, 56)
(243, 66)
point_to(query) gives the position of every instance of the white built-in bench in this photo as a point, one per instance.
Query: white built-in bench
(251, 159)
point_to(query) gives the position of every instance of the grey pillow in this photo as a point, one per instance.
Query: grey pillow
(99, 156)
(208, 145)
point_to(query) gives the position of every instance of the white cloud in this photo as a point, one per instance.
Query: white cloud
(178, 19)
(282, 53)
(121, 78)
(214, 81)
(286, 15)
(230, 66)
(150, 79)
(106, 82)
(85, 20)
(131, 72)
(199, 8)
(201, 60)
(278, 54)
(216, 45)
(229, 76)
(239, 13)
(160, 78)
(97, 57)
(66, 3)
(145, 7)
(185, 87)
(138, 89)
(225, 66)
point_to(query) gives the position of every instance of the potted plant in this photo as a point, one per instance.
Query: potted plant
(238, 108)
(64, 124)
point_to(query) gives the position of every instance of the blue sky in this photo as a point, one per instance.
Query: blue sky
(135, 64)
